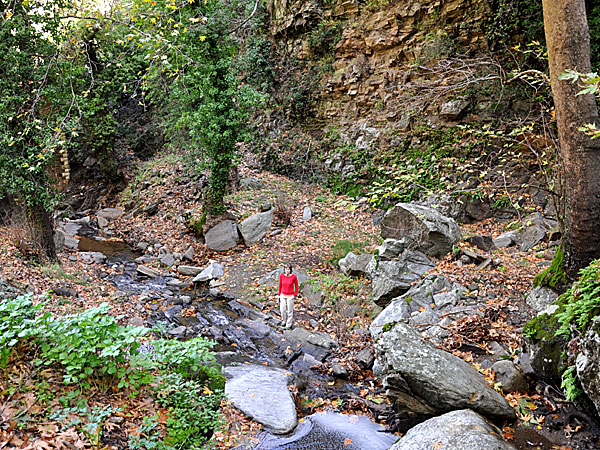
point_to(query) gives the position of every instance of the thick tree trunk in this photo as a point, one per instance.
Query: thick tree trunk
(567, 37)
(41, 224)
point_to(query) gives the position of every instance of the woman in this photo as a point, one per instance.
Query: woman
(288, 290)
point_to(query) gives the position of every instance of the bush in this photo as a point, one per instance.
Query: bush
(341, 248)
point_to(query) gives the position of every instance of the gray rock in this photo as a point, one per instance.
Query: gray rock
(455, 109)
(223, 236)
(456, 430)
(110, 213)
(355, 265)
(338, 370)
(59, 240)
(145, 270)
(307, 213)
(212, 272)
(422, 380)
(511, 378)
(167, 259)
(136, 322)
(391, 248)
(535, 228)
(423, 228)
(507, 239)
(485, 243)
(189, 253)
(365, 358)
(540, 298)
(142, 246)
(71, 228)
(391, 279)
(178, 332)
(189, 270)
(588, 363)
(321, 339)
(102, 222)
(255, 227)
(313, 293)
(262, 394)
(71, 243)
(251, 183)
(92, 257)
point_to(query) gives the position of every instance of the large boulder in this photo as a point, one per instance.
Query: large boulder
(540, 298)
(456, 430)
(391, 248)
(424, 228)
(588, 363)
(391, 279)
(422, 380)
(223, 236)
(213, 271)
(355, 265)
(261, 393)
(255, 227)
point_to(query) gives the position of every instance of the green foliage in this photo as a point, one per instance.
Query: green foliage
(554, 275)
(341, 248)
(514, 19)
(570, 383)
(323, 38)
(88, 421)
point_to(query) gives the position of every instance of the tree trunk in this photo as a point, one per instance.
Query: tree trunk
(40, 223)
(568, 41)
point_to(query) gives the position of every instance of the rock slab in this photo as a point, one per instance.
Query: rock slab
(223, 236)
(262, 394)
(422, 380)
(255, 227)
(456, 430)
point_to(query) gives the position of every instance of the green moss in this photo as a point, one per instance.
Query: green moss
(554, 276)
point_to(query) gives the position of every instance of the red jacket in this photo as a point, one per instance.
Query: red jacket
(288, 285)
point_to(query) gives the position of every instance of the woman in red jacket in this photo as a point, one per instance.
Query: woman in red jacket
(288, 290)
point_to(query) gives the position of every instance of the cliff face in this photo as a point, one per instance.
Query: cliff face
(383, 67)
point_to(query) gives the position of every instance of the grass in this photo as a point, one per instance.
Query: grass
(55, 271)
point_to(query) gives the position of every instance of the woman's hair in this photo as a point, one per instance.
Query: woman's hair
(288, 266)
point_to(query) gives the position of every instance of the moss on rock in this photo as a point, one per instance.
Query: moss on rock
(554, 276)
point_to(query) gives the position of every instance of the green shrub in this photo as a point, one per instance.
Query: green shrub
(341, 248)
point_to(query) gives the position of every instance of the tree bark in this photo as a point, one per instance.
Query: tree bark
(41, 224)
(568, 41)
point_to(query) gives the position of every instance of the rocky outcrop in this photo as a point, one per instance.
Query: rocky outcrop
(423, 381)
(355, 265)
(423, 228)
(456, 430)
(391, 279)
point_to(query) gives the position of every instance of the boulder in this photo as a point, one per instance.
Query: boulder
(189, 253)
(456, 430)
(212, 272)
(110, 213)
(391, 248)
(189, 270)
(92, 257)
(507, 239)
(454, 109)
(251, 183)
(262, 394)
(167, 259)
(509, 376)
(588, 363)
(391, 279)
(355, 265)
(307, 213)
(540, 298)
(534, 228)
(223, 236)
(255, 227)
(485, 243)
(313, 293)
(145, 270)
(422, 227)
(422, 380)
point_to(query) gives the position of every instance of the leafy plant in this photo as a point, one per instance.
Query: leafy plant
(90, 422)
(341, 248)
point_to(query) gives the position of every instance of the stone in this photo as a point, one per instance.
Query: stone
(422, 381)
(110, 213)
(507, 239)
(59, 240)
(391, 248)
(167, 259)
(178, 332)
(313, 293)
(189, 270)
(391, 279)
(136, 322)
(365, 358)
(534, 229)
(355, 265)
(92, 257)
(457, 430)
(510, 377)
(540, 298)
(306, 213)
(212, 272)
(262, 394)
(71, 228)
(485, 243)
(223, 236)
(587, 363)
(189, 253)
(145, 270)
(423, 228)
(338, 370)
(255, 227)
(251, 183)
(455, 109)
(102, 222)
(71, 243)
